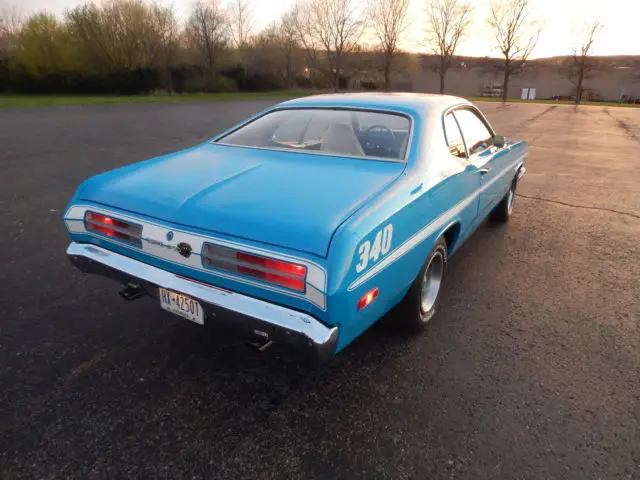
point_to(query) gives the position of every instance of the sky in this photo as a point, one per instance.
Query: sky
(562, 23)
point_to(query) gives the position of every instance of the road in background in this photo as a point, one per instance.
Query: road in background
(530, 370)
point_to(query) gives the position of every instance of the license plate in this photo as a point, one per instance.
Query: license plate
(182, 305)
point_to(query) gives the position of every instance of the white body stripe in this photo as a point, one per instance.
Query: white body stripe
(155, 244)
(430, 229)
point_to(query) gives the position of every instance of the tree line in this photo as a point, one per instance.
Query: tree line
(133, 46)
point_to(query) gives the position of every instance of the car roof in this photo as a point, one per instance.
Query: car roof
(416, 102)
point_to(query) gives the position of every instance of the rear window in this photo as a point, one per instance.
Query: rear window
(349, 133)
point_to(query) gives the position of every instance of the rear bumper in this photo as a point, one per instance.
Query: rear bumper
(258, 318)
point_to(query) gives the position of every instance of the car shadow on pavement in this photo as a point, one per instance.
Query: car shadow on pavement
(177, 386)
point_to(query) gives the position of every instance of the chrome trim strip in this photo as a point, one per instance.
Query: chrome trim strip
(322, 337)
(315, 152)
(155, 244)
(431, 228)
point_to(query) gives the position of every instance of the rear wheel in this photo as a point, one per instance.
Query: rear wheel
(423, 298)
(503, 211)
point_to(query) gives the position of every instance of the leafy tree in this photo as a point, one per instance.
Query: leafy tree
(44, 46)
(122, 35)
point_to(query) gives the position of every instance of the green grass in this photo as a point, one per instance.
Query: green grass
(553, 102)
(22, 101)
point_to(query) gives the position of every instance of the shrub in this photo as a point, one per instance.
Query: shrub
(369, 85)
(302, 82)
(220, 84)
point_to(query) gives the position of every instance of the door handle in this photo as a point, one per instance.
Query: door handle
(483, 171)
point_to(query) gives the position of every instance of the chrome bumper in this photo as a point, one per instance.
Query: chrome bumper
(260, 319)
(521, 173)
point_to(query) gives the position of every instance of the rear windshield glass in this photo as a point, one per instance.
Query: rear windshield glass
(350, 133)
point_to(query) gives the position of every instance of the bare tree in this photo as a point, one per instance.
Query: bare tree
(389, 20)
(207, 31)
(332, 26)
(168, 31)
(289, 44)
(449, 21)
(580, 65)
(240, 22)
(275, 51)
(11, 20)
(516, 35)
(299, 20)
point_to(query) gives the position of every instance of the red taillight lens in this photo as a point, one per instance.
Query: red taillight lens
(367, 298)
(269, 270)
(282, 273)
(112, 227)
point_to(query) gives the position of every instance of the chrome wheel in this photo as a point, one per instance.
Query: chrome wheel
(511, 198)
(431, 282)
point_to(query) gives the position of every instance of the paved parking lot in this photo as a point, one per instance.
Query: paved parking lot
(532, 370)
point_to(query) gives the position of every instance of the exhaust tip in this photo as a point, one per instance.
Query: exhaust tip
(260, 347)
(131, 292)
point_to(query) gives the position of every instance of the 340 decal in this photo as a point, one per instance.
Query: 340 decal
(381, 246)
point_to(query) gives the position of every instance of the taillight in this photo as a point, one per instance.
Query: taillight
(269, 270)
(113, 227)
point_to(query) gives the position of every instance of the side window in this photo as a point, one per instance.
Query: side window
(476, 134)
(454, 137)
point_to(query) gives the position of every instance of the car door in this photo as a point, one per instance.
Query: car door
(466, 182)
(483, 156)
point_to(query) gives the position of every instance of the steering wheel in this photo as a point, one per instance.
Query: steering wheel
(382, 128)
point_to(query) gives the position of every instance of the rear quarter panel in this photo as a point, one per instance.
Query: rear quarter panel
(420, 206)
(396, 213)
(396, 218)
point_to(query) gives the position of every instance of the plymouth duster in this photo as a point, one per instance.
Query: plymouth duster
(306, 223)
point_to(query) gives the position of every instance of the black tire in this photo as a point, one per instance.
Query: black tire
(411, 314)
(503, 211)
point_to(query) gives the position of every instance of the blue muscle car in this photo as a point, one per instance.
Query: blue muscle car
(306, 223)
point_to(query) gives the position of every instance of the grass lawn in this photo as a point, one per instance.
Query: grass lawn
(21, 101)
(553, 102)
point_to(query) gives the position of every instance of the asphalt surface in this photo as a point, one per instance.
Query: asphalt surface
(530, 370)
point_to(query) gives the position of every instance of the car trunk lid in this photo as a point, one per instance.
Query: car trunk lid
(289, 199)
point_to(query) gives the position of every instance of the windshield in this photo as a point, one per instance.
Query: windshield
(350, 133)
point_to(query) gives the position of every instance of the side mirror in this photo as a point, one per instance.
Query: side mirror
(499, 141)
